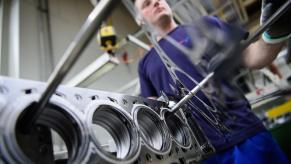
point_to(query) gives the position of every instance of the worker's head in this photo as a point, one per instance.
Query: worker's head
(156, 12)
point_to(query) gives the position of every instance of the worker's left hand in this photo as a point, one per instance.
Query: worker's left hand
(280, 30)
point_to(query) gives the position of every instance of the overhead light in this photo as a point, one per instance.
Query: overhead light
(95, 70)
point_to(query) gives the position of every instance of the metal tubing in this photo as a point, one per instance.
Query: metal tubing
(94, 20)
(14, 39)
(192, 93)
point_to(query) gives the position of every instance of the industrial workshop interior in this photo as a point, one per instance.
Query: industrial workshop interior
(145, 81)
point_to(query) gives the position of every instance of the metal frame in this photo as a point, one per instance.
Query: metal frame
(14, 39)
(237, 5)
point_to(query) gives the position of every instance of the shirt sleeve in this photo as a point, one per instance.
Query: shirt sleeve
(229, 29)
(224, 35)
(146, 86)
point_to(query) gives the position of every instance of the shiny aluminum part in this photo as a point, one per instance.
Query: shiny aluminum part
(192, 93)
(153, 129)
(114, 121)
(178, 129)
(119, 124)
(76, 138)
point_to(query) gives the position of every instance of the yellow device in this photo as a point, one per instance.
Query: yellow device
(108, 39)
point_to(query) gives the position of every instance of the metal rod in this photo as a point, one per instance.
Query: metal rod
(244, 45)
(279, 93)
(266, 25)
(138, 42)
(192, 93)
(14, 39)
(80, 42)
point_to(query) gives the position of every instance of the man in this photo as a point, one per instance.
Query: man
(245, 140)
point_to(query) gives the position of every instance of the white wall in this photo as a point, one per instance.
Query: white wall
(29, 41)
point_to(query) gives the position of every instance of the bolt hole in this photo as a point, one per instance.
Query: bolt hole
(148, 157)
(177, 150)
(94, 97)
(60, 94)
(184, 150)
(145, 103)
(182, 160)
(171, 152)
(160, 157)
(137, 161)
(124, 101)
(112, 99)
(134, 102)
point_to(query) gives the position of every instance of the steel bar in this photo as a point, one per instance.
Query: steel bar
(138, 42)
(192, 93)
(278, 93)
(244, 45)
(266, 25)
(14, 39)
(71, 55)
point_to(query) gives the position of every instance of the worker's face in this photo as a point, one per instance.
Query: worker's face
(154, 11)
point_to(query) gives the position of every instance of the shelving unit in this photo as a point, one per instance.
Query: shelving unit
(232, 11)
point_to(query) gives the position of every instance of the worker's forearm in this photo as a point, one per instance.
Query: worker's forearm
(261, 54)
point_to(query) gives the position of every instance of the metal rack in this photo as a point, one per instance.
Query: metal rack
(225, 9)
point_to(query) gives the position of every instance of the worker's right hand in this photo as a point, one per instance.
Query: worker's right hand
(280, 30)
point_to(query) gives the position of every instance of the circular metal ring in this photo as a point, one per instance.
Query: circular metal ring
(118, 124)
(152, 129)
(179, 130)
(59, 115)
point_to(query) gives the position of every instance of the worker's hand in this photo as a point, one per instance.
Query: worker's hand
(281, 30)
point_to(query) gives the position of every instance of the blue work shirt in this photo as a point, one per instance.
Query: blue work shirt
(235, 115)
